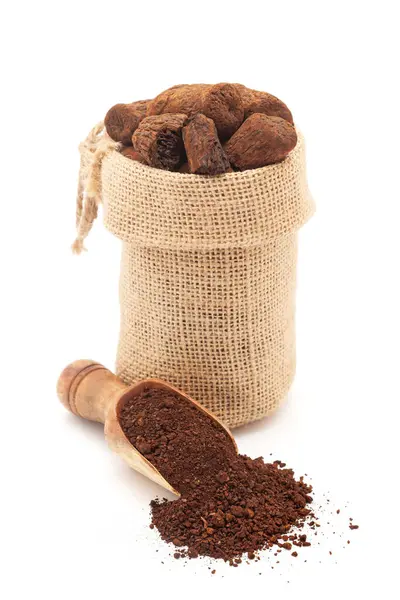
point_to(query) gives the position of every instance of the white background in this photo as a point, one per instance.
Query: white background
(74, 517)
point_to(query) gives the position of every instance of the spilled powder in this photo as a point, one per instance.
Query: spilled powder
(231, 506)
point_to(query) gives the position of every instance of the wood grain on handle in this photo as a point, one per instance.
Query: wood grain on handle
(88, 389)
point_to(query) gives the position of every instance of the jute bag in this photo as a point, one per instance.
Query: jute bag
(208, 274)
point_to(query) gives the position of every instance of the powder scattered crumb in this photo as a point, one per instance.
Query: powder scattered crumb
(230, 504)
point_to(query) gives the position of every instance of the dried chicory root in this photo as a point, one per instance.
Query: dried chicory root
(158, 139)
(260, 141)
(221, 102)
(204, 129)
(123, 119)
(203, 149)
(262, 102)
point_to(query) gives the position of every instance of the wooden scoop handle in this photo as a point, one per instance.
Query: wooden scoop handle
(88, 389)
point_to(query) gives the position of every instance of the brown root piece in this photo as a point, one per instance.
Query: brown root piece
(122, 120)
(262, 102)
(129, 152)
(260, 141)
(158, 139)
(184, 168)
(203, 149)
(221, 102)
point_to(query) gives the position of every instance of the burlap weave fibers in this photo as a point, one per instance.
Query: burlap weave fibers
(208, 275)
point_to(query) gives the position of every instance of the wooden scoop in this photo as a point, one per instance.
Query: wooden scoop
(91, 391)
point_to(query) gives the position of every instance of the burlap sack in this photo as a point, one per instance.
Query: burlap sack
(208, 274)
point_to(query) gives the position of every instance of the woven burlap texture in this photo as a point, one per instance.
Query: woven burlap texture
(208, 276)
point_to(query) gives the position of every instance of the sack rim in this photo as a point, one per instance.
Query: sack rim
(239, 209)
